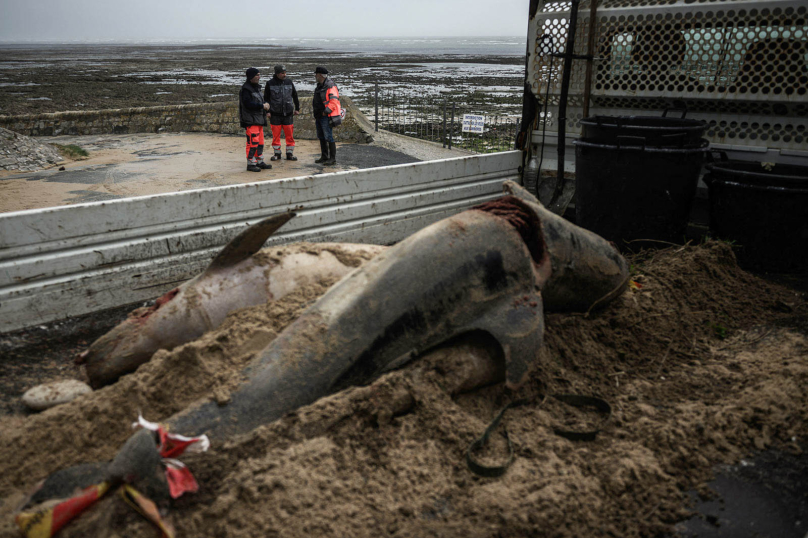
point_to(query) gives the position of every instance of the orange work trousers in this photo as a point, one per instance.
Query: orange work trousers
(288, 132)
(255, 143)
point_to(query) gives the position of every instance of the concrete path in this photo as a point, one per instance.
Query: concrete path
(420, 149)
(121, 166)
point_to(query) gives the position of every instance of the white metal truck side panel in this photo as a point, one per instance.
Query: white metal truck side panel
(68, 261)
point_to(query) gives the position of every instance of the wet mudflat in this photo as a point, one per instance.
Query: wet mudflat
(704, 365)
(52, 78)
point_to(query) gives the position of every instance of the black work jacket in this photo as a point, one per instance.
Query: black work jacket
(251, 105)
(281, 96)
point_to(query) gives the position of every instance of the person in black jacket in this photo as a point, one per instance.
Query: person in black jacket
(284, 105)
(252, 114)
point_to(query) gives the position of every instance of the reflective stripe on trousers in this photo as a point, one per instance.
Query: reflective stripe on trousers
(288, 133)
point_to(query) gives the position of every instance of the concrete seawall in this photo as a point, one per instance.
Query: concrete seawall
(201, 118)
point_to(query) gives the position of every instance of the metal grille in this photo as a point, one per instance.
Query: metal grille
(427, 114)
(741, 65)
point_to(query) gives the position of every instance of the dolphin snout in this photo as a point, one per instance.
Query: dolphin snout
(81, 358)
(118, 352)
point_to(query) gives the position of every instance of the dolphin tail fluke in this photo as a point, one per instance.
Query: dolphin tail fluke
(588, 270)
(249, 241)
(138, 461)
(514, 189)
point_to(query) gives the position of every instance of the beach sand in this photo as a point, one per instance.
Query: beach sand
(685, 397)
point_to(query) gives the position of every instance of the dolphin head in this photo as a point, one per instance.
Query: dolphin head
(125, 347)
(150, 329)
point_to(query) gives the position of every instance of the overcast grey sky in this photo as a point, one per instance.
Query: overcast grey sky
(93, 20)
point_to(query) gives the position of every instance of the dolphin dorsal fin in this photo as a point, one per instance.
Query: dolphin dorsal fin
(249, 241)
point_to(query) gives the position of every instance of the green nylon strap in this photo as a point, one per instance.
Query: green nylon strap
(496, 470)
(576, 400)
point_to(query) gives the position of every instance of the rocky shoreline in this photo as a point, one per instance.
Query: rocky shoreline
(23, 153)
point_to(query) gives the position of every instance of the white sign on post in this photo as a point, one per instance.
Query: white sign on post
(473, 123)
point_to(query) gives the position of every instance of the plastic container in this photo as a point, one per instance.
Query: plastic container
(530, 179)
(763, 210)
(630, 193)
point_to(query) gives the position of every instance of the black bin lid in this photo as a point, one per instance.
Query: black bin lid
(760, 173)
(649, 123)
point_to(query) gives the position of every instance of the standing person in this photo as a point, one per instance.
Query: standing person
(327, 109)
(252, 114)
(281, 95)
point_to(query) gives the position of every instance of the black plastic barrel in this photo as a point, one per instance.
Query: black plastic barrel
(657, 131)
(630, 193)
(763, 210)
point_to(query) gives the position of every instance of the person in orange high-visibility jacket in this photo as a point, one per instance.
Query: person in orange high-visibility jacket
(327, 114)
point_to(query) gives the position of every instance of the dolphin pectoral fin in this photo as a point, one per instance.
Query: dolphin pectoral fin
(249, 241)
(518, 327)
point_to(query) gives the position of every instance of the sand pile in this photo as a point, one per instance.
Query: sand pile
(18, 152)
(702, 364)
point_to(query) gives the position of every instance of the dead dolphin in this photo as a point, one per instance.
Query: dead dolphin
(585, 270)
(474, 360)
(483, 271)
(474, 271)
(237, 277)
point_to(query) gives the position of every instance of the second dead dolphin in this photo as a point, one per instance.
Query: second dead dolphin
(241, 275)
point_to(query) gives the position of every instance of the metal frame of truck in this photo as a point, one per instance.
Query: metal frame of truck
(740, 65)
